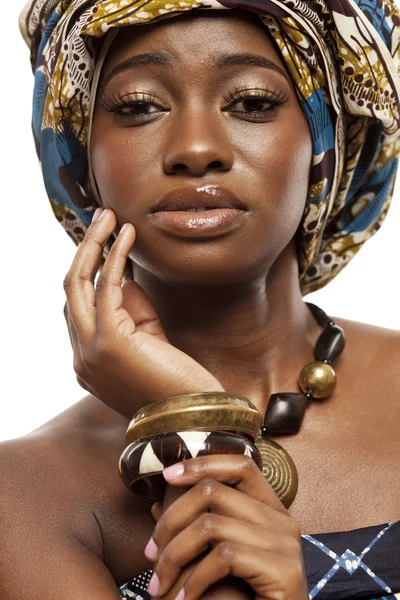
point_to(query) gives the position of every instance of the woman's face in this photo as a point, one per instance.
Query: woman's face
(158, 127)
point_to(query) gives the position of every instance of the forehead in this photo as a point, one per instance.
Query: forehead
(194, 35)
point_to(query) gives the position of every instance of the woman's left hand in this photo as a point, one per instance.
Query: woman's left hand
(232, 512)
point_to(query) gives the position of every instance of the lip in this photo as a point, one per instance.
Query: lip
(208, 196)
(198, 224)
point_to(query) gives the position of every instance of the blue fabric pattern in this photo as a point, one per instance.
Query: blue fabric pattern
(362, 563)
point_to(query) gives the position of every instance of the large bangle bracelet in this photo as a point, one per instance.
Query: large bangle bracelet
(142, 462)
(204, 411)
(158, 436)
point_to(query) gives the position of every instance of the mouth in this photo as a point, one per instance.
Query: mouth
(204, 212)
(194, 209)
(199, 200)
(198, 222)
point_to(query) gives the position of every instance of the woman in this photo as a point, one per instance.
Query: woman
(302, 163)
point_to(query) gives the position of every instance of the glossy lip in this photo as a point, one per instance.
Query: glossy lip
(198, 224)
(208, 196)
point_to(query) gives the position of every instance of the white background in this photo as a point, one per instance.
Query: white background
(37, 379)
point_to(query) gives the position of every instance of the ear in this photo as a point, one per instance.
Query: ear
(156, 511)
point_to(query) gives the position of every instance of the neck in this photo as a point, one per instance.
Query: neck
(253, 336)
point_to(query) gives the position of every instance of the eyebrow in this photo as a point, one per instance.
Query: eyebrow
(222, 60)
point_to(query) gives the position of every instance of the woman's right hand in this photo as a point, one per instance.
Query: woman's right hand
(121, 353)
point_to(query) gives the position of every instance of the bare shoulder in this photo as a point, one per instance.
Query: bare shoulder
(375, 350)
(64, 475)
(34, 485)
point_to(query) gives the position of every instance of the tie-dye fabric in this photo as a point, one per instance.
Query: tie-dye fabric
(343, 57)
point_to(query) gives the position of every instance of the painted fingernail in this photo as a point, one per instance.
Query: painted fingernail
(174, 472)
(151, 550)
(96, 214)
(181, 595)
(154, 585)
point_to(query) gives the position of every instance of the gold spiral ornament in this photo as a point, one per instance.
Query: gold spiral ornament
(279, 470)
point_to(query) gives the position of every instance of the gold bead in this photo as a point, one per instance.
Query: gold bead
(318, 378)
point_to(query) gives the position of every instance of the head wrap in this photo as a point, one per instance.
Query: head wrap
(343, 57)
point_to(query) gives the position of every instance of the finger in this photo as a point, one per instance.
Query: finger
(209, 495)
(239, 471)
(108, 289)
(67, 321)
(271, 575)
(73, 336)
(79, 282)
(76, 349)
(139, 306)
(208, 530)
(156, 511)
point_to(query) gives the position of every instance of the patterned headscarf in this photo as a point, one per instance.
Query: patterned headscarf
(343, 57)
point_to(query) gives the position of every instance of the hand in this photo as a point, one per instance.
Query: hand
(245, 530)
(121, 353)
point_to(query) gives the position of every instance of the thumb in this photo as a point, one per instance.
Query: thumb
(141, 310)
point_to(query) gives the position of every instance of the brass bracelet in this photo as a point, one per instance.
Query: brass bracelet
(204, 411)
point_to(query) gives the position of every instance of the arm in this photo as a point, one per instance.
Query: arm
(49, 548)
(42, 555)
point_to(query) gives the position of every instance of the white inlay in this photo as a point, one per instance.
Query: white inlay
(149, 461)
(194, 440)
(247, 451)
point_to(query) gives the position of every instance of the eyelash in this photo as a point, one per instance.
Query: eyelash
(118, 103)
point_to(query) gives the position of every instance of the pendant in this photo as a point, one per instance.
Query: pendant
(278, 469)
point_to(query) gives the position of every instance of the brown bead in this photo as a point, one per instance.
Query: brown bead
(320, 315)
(318, 378)
(285, 413)
(330, 344)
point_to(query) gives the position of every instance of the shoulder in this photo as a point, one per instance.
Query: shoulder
(61, 459)
(42, 491)
(376, 337)
(64, 476)
(50, 533)
(373, 351)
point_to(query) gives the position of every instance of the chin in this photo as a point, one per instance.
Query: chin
(200, 271)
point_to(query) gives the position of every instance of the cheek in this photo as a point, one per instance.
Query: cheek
(120, 167)
(285, 167)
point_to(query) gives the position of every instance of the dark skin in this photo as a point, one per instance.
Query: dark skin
(237, 317)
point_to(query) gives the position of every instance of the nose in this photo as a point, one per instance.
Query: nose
(197, 144)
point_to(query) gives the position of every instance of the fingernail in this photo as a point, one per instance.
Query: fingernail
(96, 214)
(151, 549)
(181, 595)
(154, 585)
(174, 472)
(123, 227)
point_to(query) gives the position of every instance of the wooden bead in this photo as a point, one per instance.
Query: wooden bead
(329, 344)
(285, 413)
(318, 378)
(320, 316)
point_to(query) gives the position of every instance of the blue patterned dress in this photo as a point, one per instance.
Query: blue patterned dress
(363, 563)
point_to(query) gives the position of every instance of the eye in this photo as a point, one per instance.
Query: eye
(255, 103)
(133, 106)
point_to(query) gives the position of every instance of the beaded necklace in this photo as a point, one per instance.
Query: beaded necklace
(285, 411)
